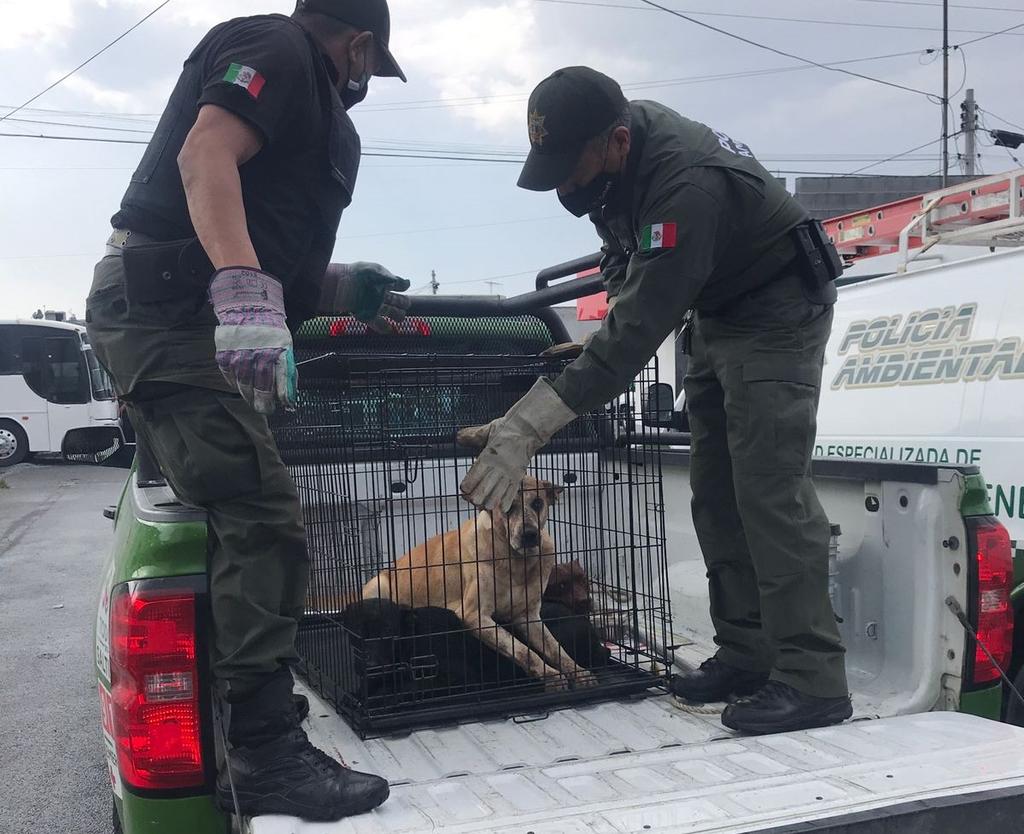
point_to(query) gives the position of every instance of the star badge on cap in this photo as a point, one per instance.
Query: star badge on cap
(537, 131)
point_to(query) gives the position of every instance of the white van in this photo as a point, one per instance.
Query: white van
(926, 360)
(52, 390)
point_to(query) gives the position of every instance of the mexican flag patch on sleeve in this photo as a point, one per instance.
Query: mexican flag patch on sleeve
(658, 236)
(247, 78)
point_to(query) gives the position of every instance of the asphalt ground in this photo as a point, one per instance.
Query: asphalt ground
(53, 540)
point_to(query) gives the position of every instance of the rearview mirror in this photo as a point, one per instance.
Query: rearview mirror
(659, 407)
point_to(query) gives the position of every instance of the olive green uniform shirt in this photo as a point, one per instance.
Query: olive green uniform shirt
(695, 223)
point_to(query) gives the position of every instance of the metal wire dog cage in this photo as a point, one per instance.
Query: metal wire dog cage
(372, 447)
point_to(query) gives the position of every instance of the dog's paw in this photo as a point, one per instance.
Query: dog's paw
(583, 679)
(555, 681)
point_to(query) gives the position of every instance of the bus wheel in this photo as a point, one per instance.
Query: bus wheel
(13, 443)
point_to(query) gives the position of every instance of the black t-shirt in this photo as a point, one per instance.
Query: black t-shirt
(270, 72)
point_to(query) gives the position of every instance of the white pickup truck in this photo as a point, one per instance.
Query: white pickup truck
(923, 753)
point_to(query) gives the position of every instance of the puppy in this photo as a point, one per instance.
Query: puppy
(568, 585)
(494, 567)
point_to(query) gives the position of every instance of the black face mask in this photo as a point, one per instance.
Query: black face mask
(595, 194)
(355, 91)
(592, 196)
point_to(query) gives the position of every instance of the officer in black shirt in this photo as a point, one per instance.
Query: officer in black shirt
(220, 249)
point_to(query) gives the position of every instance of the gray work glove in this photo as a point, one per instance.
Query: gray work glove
(254, 346)
(367, 291)
(509, 444)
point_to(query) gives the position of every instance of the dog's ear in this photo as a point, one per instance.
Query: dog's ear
(475, 437)
(554, 493)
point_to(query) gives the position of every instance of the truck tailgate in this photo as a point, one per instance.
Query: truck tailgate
(651, 766)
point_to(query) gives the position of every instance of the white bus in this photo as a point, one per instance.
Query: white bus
(51, 385)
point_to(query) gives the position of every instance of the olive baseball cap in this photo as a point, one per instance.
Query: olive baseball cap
(366, 16)
(568, 109)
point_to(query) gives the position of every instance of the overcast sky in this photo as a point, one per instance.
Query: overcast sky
(470, 67)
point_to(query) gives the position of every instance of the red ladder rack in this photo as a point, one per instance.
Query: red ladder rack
(983, 212)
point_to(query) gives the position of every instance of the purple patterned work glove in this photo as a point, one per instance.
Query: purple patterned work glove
(254, 346)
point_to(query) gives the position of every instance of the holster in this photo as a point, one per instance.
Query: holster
(171, 271)
(819, 262)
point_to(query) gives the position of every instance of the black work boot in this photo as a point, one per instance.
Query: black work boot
(779, 708)
(275, 770)
(290, 776)
(716, 681)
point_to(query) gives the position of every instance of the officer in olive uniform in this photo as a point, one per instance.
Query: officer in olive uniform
(219, 251)
(692, 222)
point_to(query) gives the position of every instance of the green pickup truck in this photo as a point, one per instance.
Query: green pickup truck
(926, 750)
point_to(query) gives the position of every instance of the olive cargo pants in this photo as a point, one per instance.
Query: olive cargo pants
(217, 453)
(752, 389)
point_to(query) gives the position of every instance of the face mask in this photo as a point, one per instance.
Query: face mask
(590, 197)
(593, 195)
(355, 91)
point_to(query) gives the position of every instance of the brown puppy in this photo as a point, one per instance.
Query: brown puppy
(494, 567)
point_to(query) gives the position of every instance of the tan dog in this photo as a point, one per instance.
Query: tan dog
(494, 567)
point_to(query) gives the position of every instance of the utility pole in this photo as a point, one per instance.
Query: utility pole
(945, 93)
(493, 286)
(969, 125)
(434, 286)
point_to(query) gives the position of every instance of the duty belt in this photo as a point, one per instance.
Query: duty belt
(122, 239)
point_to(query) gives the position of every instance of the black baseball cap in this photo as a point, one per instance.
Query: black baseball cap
(568, 109)
(366, 16)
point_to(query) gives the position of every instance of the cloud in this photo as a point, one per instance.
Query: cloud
(29, 22)
(106, 98)
(497, 52)
(480, 52)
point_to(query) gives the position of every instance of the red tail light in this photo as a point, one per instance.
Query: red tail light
(994, 615)
(352, 327)
(155, 689)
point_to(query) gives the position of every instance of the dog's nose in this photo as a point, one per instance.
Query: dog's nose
(530, 538)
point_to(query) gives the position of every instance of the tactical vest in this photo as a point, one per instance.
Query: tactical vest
(155, 202)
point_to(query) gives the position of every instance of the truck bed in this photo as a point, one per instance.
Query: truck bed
(653, 765)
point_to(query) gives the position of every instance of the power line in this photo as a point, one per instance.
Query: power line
(108, 140)
(100, 139)
(130, 117)
(474, 101)
(441, 156)
(562, 216)
(933, 5)
(1001, 119)
(776, 18)
(1005, 31)
(88, 60)
(896, 156)
(79, 125)
(729, 34)
(989, 143)
(510, 98)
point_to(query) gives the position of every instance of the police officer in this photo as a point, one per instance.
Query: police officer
(219, 250)
(691, 222)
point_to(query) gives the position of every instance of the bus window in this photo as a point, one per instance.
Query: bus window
(9, 365)
(102, 386)
(55, 368)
